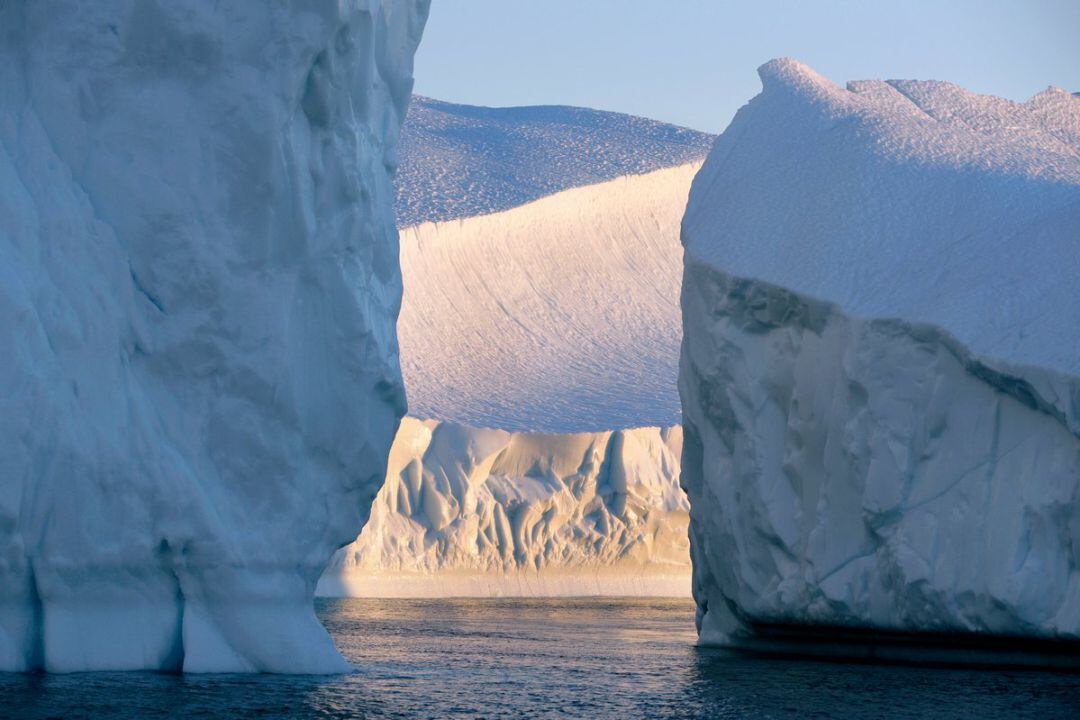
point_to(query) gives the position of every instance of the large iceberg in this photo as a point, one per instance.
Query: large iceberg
(881, 362)
(198, 286)
(482, 512)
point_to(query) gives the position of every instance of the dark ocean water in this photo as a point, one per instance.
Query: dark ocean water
(545, 658)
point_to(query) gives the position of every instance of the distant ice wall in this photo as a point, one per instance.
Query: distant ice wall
(198, 287)
(485, 512)
(879, 380)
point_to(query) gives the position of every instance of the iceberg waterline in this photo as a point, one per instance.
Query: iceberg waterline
(198, 292)
(878, 375)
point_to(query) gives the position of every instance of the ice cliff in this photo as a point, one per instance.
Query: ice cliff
(468, 511)
(880, 372)
(198, 286)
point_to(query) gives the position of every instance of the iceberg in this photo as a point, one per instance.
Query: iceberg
(199, 282)
(880, 372)
(481, 512)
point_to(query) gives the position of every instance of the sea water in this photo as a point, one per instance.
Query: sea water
(589, 658)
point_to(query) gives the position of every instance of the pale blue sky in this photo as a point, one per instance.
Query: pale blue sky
(693, 62)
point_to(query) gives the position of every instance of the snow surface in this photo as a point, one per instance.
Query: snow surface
(905, 199)
(879, 379)
(559, 316)
(198, 284)
(459, 161)
(484, 512)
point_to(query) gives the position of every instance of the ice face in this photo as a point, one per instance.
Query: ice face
(879, 379)
(468, 511)
(197, 296)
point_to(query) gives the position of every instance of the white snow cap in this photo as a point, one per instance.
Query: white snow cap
(919, 200)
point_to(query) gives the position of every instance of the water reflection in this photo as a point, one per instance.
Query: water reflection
(544, 658)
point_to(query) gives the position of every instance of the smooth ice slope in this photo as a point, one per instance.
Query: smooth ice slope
(458, 161)
(559, 316)
(484, 512)
(905, 199)
(198, 284)
(880, 366)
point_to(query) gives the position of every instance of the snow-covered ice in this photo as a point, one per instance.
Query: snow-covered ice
(558, 316)
(459, 161)
(881, 366)
(905, 199)
(198, 284)
(485, 512)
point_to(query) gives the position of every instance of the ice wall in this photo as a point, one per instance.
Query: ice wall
(468, 511)
(880, 372)
(198, 287)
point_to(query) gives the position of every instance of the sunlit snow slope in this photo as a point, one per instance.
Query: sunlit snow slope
(558, 316)
(462, 160)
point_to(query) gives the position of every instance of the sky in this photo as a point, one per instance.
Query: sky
(693, 62)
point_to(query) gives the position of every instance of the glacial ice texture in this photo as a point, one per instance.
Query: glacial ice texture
(468, 511)
(879, 372)
(198, 286)
(459, 161)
